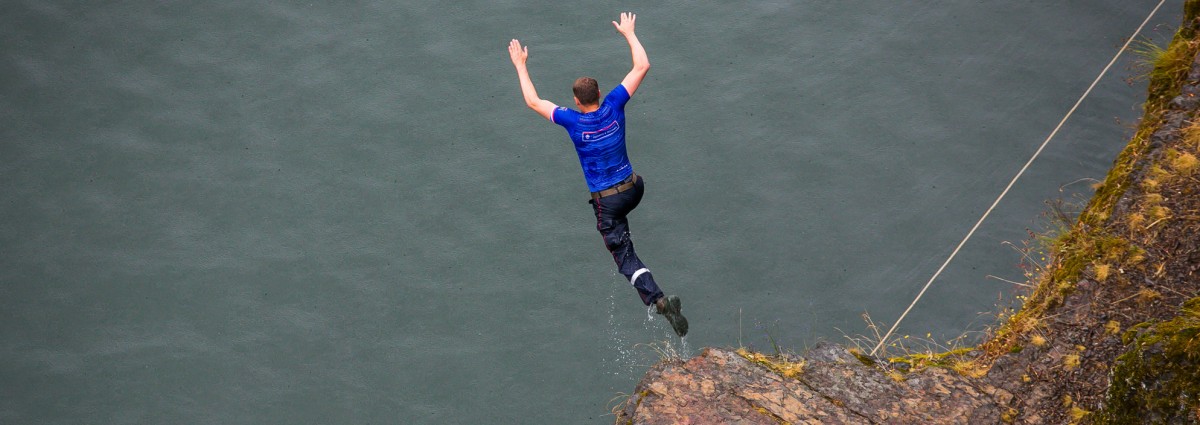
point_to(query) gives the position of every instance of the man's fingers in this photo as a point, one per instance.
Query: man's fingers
(515, 49)
(627, 20)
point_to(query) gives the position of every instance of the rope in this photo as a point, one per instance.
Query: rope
(1014, 179)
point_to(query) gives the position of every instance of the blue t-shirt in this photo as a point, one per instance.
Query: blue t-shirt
(599, 138)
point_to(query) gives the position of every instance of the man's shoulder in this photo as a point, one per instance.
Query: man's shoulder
(619, 91)
(618, 95)
(563, 115)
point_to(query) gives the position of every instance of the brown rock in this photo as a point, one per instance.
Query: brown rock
(720, 386)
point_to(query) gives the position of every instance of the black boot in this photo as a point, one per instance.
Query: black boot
(670, 307)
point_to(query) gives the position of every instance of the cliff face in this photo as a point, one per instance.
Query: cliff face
(1111, 334)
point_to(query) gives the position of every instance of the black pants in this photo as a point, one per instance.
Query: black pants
(611, 221)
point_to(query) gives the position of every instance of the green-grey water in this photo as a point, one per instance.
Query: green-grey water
(313, 212)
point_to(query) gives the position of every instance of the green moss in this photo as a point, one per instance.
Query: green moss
(1191, 308)
(862, 358)
(1157, 380)
(1134, 331)
(920, 361)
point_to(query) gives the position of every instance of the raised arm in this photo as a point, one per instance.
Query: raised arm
(519, 54)
(641, 63)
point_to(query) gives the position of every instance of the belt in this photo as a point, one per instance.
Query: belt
(617, 188)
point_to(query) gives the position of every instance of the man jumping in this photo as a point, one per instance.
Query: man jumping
(598, 130)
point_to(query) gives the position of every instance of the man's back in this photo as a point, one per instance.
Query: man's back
(599, 138)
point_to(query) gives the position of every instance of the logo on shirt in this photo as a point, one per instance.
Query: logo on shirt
(602, 133)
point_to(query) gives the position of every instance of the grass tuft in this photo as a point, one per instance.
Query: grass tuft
(970, 368)
(779, 364)
(1078, 413)
(1009, 416)
(1191, 136)
(1158, 173)
(1136, 220)
(1070, 361)
(1147, 296)
(1159, 212)
(1037, 340)
(1164, 65)
(1113, 327)
(1184, 163)
(1102, 272)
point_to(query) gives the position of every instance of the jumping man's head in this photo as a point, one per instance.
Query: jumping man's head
(587, 92)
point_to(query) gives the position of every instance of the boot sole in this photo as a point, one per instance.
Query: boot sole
(678, 323)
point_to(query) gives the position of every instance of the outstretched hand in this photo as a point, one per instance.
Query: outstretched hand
(517, 53)
(626, 25)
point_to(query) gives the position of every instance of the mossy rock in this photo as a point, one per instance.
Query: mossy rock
(1157, 380)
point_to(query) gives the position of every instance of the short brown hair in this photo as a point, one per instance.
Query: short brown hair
(587, 90)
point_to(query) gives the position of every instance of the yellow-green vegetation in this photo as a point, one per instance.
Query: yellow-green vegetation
(1183, 163)
(768, 414)
(779, 364)
(1037, 340)
(1158, 378)
(1161, 64)
(1078, 413)
(1071, 253)
(1191, 137)
(1009, 416)
(917, 361)
(971, 368)
(1101, 272)
(1147, 296)
(862, 357)
(1070, 361)
(1113, 327)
